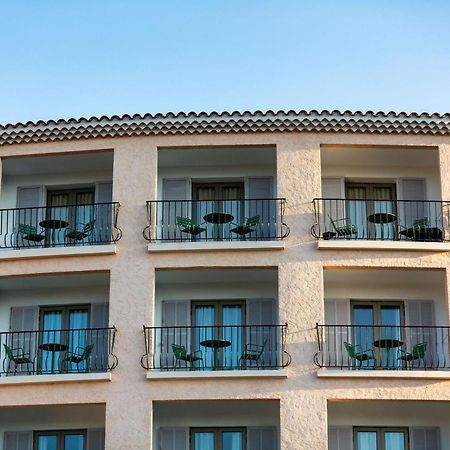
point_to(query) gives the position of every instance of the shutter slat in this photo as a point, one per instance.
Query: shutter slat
(259, 192)
(174, 438)
(18, 440)
(337, 312)
(104, 213)
(177, 190)
(415, 190)
(98, 361)
(425, 438)
(262, 438)
(96, 439)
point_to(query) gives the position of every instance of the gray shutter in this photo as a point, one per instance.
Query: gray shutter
(103, 212)
(340, 438)
(337, 314)
(415, 190)
(96, 439)
(425, 439)
(174, 438)
(333, 205)
(263, 312)
(262, 438)
(18, 440)
(98, 361)
(31, 199)
(259, 202)
(175, 193)
(420, 314)
(175, 313)
(23, 325)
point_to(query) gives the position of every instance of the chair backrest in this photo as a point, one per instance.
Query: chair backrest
(9, 352)
(419, 223)
(88, 227)
(350, 349)
(179, 351)
(27, 229)
(252, 221)
(184, 222)
(87, 351)
(419, 350)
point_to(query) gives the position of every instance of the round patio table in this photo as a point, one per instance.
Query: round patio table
(54, 347)
(215, 344)
(218, 218)
(382, 218)
(388, 345)
(53, 224)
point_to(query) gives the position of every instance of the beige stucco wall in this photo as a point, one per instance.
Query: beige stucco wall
(303, 397)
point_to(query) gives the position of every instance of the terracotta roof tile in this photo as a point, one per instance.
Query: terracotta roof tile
(226, 122)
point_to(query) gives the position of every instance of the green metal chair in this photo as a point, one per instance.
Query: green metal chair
(186, 225)
(181, 354)
(359, 355)
(79, 355)
(83, 233)
(417, 354)
(247, 227)
(253, 352)
(18, 357)
(30, 233)
(343, 227)
(413, 232)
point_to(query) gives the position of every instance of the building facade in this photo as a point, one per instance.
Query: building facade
(259, 281)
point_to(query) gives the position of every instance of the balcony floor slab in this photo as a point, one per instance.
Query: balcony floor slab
(383, 245)
(385, 374)
(159, 247)
(211, 374)
(58, 378)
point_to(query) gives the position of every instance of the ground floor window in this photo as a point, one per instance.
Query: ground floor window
(217, 438)
(60, 440)
(381, 438)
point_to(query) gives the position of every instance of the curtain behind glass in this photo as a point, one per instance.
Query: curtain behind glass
(47, 443)
(366, 440)
(50, 360)
(363, 335)
(390, 318)
(73, 442)
(394, 440)
(203, 440)
(232, 205)
(58, 211)
(232, 440)
(77, 338)
(357, 210)
(232, 332)
(383, 203)
(84, 212)
(205, 318)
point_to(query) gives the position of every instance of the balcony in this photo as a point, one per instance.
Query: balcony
(204, 348)
(216, 220)
(59, 226)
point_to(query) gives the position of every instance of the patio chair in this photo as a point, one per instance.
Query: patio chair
(80, 234)
(417, 354)
(359, 355)
(247, 227)
(181, 354)
(186, 225)
(30, 233)
(253, 352)
(343, 227)
(417, 228)
(18, 357)
(79, 355)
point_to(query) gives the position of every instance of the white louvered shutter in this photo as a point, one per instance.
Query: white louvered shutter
(337, 316)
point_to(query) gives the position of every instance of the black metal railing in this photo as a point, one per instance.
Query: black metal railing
(45, 352)
(59, 226)
(394, 220)
(215, 347)
(382, 347)
(216, 220)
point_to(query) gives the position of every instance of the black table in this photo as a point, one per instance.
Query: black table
(425, 234)
(218, 218)
(382, 218)
(388, 345)
(215, 344)
(53, 224)
(54, 347)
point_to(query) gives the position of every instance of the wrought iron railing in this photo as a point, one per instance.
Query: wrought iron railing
(215, 347)
(216, 220)
(382, 347)
(394, 220)
(45, 352)
(59, 226)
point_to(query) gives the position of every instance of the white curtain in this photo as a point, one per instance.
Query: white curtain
(231, 440)
(205, 319)
(367, 440)
(203, 441)
(394, 440)
(232, 332)
(47, 443)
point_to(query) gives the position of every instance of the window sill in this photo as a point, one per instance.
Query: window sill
(386, 374)
(211, 374)
(59, 378)
(85, 250)
(159, 247)
(383, 245)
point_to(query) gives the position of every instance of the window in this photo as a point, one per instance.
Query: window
(381, 438)
(60, 440)
(217, 438)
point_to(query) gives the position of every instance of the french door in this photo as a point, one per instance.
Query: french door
(60, 440)
(217, 438)
(63, 329)
(381, 438)
(365, 199)
(221, 320)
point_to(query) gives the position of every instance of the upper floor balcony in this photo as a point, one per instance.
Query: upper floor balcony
(384, 195)
(216, 195)
(58, 201)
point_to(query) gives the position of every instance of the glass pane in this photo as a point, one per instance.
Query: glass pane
(78, 321)
(363, 335)
(47, 443)
(204, 321)
(73, 442)
(51, 335)
(232, 440)
(203, 441)
(231, 205)
(356, 210)
(390, 319)
(232, 332)
(383, 204)
(366, 440)
(60, 212)
(394, 440)
(82, 215)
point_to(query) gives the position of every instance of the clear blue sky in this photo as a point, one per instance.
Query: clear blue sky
(62, 59)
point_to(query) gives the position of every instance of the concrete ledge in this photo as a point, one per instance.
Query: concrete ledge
(383, 245)
(386, 374)
(158, 247)
(85, 250)
(51, 379)
(211, 374)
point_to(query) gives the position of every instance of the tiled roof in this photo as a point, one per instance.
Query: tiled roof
(226, 122)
